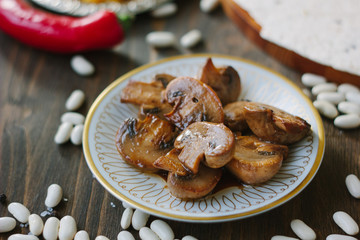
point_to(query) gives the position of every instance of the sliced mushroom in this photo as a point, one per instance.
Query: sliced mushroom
(142, 93)
(164, 78)
(142, 142)
(256, 161)
(225, 81)
(192, 101)
(171, 163)
(194, 186)
(272, 124)
(212, 143)
(234, 116)
(159, 111)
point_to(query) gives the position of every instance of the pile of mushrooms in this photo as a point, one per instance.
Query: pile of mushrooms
(196, 130)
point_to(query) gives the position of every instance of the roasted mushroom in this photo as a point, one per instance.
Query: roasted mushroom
(234, 116)
(208, 142)
(140, 143)
(171, 163)
(272, 124)
(194, 186)
(225, 81)
(192, 101)
(256, 161)
(164, 78)
(142, 93)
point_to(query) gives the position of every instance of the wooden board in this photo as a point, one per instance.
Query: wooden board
(252, 30)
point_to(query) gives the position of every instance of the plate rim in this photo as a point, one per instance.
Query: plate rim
(90, 162)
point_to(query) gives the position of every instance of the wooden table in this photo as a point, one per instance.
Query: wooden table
(35, 84)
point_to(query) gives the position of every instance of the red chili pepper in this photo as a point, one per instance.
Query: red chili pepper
(57, 33)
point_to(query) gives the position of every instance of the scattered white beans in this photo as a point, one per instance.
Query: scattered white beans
(346, 223)
(278, 237)
(126, 218)
(188, 237)
(100, 237)
(353, 185)
(19, 211)
(139, 219)
(310, 79)
(7, 224)
(326, 109)
(333, 97)
(126, 205)
(323, 87)
(125, 235)
(51, 228)
(67, 228)
(208, 5)
(36, 224)
(349, 107)
(146, 233)
(162, 229)
(23, 237)
(75, 100)
(54, 195)
(302, 230)
(160, 39)
(164, 10)
(347, 87)
(339, 237)
(347, 121)
(63, 133)
(353, 97)
(82, 66)
(82, 235)
(76, 134)
(191, 38)
(73, 117)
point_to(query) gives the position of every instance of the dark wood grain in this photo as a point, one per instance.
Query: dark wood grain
(35, 84)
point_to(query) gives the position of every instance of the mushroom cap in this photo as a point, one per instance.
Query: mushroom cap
(256, 161)
(192, 101)
(140, 143)
(212, 143)
(170, 162)
(234, 116)
(142, 93)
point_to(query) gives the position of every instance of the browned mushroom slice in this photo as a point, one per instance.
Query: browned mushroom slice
(142, 93)
(159, 111)
(234, 116)
(194, 186)
(142, 142)
(256, 161)
(212, 143)
(225, 81)
(192, 101)
(171, 163)
(164, 78)
(272, 124)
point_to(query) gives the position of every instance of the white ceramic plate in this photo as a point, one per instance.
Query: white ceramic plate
(149, 191)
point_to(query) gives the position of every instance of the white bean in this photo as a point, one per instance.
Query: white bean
(100, 237)
(139, 219)
(160, 39)
(164, 10)
(349, 107)
(302, 230)
(63, 133)
(19, 211)
(125, 235)
(306, 92)
(346, 223)
(23, 237)
(353, 97)
(51, 228)
(191, 38)
(347, 87)
(126, 218)
(323, 87)
(36, 224)
(278, 237)
(67, 228)
(146, 233)
(126, 205)
(54, 195)
(326, 109)
(353, 185)
(347, 121)
(73, 117)
(7, 224)
(310, 79)
(82, 235)
(82, 66)
(76, 134)
(162, 229)
(188, 237)
(208, 5)
(332, 97)
(339, 237)
(75, 100)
